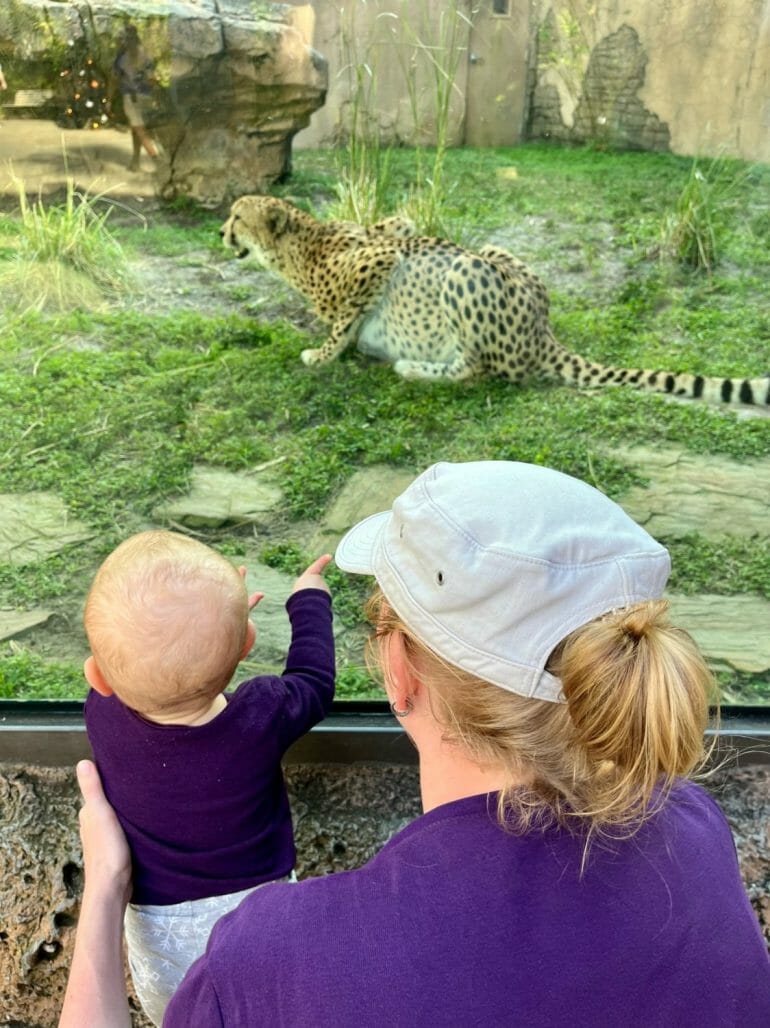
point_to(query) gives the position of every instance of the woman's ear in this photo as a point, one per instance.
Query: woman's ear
(95, 678)
(401, 683)
(251, 635)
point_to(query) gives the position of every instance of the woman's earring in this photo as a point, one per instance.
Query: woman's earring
(403, 713)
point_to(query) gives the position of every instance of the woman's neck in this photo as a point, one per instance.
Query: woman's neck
(437, 789)
(446, 774)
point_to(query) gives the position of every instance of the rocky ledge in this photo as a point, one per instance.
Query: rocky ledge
(234, 80)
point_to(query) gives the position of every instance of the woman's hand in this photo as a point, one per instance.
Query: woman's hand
(96, 990)
(106, 856)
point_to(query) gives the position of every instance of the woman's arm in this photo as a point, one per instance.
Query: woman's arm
(96, 990)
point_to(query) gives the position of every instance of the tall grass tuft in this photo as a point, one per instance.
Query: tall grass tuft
(65, 258)
(429, 48)
(363, 165)
(693, 232)
(437, 42)
(363, 175)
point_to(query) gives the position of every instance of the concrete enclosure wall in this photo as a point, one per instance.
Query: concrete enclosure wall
(647, 74)
(343, 814)
(680, 74)
(406, 61)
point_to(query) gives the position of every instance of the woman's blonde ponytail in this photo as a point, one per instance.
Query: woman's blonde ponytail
(637, 692)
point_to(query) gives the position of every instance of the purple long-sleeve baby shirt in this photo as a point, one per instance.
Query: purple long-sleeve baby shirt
(204, 807)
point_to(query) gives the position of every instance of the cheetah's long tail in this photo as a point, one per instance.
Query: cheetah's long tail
(577, 370)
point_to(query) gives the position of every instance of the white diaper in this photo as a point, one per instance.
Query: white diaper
(163, 941)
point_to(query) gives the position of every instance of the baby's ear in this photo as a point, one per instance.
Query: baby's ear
(95, 678)
(251, 635)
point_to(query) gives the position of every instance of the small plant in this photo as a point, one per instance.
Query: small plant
(65, 256)
(24, 674)
(692, 233)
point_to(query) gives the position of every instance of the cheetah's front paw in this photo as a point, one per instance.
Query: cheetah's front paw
(311, 356)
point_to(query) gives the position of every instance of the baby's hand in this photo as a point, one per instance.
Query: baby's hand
(311, 577)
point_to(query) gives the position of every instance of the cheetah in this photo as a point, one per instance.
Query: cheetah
(433, 309)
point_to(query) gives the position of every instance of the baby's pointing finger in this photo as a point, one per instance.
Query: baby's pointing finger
(318, 566)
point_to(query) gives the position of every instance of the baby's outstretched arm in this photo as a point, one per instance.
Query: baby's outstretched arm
(311, 577)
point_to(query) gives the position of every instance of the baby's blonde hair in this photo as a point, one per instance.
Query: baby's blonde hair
(637, 699)
(166, 618)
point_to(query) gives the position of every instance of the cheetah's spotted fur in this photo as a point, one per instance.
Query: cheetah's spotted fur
(432, 308)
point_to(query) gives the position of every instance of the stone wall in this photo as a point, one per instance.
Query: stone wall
(343, 814)
(608, 108)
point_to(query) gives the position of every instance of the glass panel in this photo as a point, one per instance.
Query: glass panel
(150, 378)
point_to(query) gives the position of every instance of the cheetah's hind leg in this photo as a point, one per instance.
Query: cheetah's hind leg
(453, 371)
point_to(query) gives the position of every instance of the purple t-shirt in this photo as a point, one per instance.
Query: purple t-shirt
(204, 807)
(455, 923)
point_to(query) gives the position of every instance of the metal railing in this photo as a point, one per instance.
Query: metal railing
(51, 733)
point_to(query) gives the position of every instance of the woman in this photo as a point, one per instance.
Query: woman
(134, 71)
(563, 871)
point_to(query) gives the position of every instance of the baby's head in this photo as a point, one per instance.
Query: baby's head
(167, 620)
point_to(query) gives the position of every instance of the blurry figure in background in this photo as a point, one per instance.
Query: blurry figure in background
(3, 83)
(135, 74)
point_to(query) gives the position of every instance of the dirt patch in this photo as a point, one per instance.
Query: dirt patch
(592, 263)
(204, 282)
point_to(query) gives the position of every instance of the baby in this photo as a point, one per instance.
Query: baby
(194, 773)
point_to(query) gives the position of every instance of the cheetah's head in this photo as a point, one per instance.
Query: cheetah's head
(255, 227)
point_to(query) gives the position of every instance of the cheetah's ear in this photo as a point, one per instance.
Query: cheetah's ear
(276, 220)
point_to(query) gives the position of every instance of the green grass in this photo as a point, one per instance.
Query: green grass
(112, 409)
(24, 676)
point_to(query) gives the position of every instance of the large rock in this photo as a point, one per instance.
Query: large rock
(713, 496)
(14, 623)
(368, 491)
(35, 525)
(732, 631)
(218, 497)
(237, 79)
